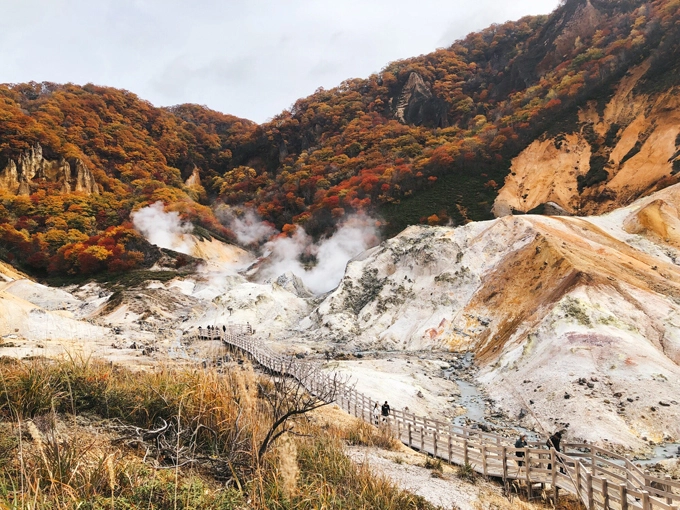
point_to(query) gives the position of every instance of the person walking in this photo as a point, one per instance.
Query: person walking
(554, 442)
(376, 414)
(521, 443)
(385, 411)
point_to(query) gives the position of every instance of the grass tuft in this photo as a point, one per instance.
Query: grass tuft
(467, 472)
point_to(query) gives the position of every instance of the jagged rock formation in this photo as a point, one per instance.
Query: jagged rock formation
(20, 176)
(416, 105)
(547, 300)
(613, 156)
(293, 284)
(194, 179)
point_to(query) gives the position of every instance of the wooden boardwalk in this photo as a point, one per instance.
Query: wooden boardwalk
(599, 478)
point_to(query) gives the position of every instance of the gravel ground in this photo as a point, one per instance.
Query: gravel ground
(405, 469)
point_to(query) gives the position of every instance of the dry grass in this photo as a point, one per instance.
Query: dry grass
(361, 433)
(77, 433)
(467, 472)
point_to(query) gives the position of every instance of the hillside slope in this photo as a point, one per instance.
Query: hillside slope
(543, 302)
(428, 139)
(616, 153)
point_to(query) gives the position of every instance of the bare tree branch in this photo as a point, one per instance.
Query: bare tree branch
(303, 390)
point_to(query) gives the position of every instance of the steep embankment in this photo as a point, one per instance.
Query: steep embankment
(616, 152)
(543, 302)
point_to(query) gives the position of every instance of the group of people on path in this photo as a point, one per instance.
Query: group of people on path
(212, 329)
(383, 411)
(553, 441)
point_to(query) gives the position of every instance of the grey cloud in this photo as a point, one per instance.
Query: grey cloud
(251, 59)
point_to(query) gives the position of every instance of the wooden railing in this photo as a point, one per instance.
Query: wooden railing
(599, 478)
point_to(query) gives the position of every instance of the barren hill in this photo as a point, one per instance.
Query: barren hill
(543, 302)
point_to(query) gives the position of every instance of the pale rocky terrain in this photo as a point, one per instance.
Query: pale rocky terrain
(406, 469)
(572, 322)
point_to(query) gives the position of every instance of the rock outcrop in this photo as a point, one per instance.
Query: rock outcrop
(194, 179)
(416, 105)
(293, 284)
(613, 156)
(30, 168)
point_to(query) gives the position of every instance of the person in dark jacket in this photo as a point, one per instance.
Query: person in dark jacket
(521, 443)
(385, 409)
(554, 442)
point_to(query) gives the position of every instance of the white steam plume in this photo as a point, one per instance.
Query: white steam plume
(355, 235)
(249, 228)
(164, 229)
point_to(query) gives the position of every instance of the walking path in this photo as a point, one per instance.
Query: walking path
(599, 478)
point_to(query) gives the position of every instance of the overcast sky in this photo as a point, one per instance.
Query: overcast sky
(248, 58)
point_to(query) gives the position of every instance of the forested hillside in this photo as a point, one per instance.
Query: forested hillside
(428, 139)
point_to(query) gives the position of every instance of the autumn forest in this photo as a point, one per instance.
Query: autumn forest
(426, 140)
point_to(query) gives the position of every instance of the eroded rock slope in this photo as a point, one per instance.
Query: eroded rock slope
(573, 320)
(615, 152)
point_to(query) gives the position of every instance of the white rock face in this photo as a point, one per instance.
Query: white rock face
(543, 302)
(409, 292)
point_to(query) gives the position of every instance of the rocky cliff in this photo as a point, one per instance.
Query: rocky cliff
(22, 175)
(415, 105)
(617, 151)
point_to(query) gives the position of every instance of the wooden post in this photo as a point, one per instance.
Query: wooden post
(668, 488)
(505, 463)
(593, 461)
(646, 479)
(577, 468)
(422, 439)
(450, 448)
(645, 500)
(605, 493)
(623, 496)
(410, 435)
(553, 474)
(465, 452)
(483, 451)
(528, 477)
(591, 500)
(435, 435)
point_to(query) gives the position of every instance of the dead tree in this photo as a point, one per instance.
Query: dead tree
(299, 389)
